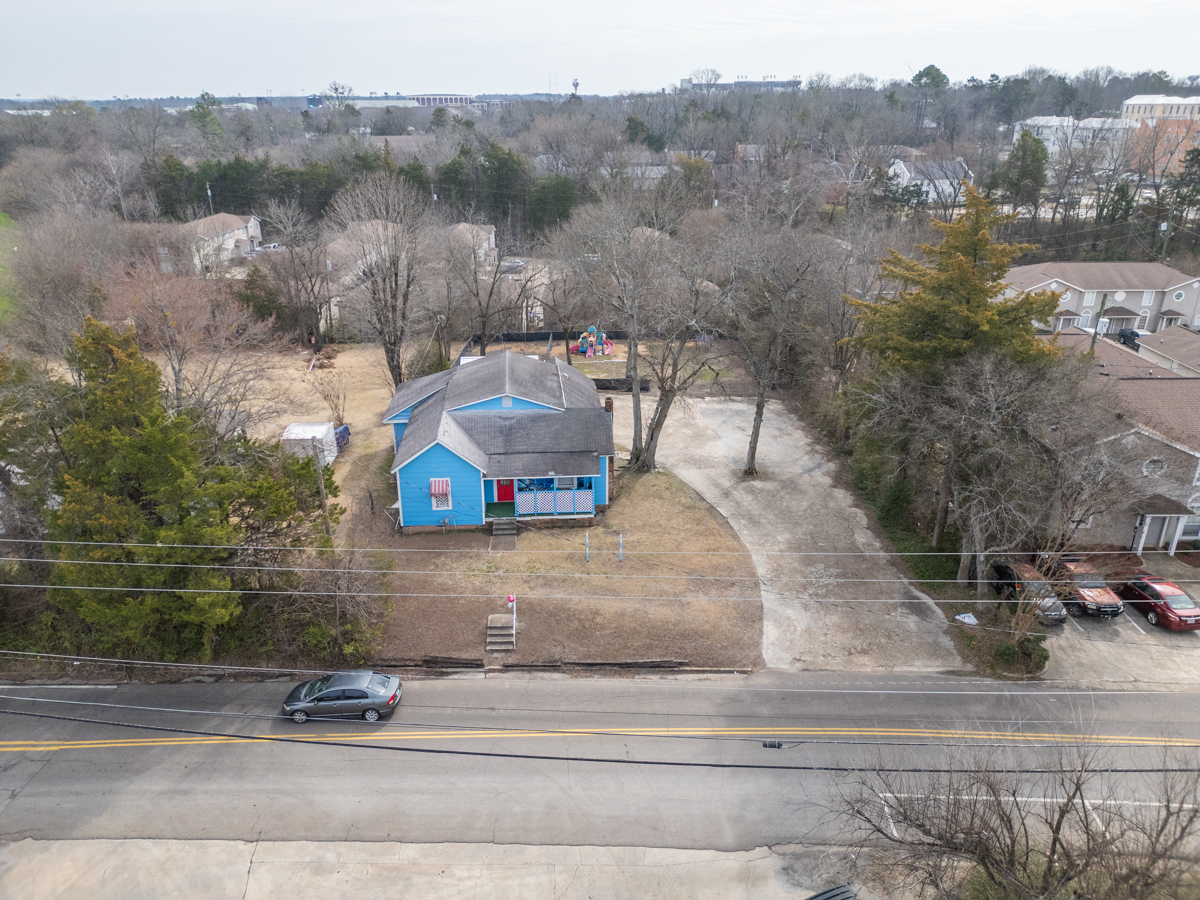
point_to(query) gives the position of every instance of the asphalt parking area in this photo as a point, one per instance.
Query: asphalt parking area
(1126, 650)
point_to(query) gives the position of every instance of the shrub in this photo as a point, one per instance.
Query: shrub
(1007, 653)
(1035, 654)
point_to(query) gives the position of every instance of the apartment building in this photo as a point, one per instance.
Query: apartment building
(1148, 296)
(1160, 106)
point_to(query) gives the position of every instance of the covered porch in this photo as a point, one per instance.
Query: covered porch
(558, 497)
(1160, 525)
(1120, 317)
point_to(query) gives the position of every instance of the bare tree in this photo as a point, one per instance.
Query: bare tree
(58, 261)
(563, 296)
(981, 826)
(332, 388)
(337, 95)
(302, 270)
(1016, 461)
(383, 221)
(621, 264)
(706, 80)
(489, 290)
(142, 129)
(775, 288)
(212, 345)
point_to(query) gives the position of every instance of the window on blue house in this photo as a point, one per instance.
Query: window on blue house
(583, 484)
(439, 493)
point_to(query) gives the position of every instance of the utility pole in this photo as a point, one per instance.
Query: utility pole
(316, 449)
(1166, 230)
(1096, 330)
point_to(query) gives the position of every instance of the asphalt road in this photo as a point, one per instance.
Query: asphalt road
(511, 767)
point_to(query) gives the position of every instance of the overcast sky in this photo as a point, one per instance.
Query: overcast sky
(97, 49)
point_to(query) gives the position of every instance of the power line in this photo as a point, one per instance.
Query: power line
(751, 735)
(900, 579)
(594, 550)
(554, 758)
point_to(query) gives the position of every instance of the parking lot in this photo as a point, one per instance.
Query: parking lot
(1128, 651)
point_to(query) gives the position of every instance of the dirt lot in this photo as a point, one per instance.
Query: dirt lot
(726, 374)
(701, 609)
(832, 598)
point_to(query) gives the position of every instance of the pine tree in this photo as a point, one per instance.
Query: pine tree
(138, 494)
(953, 306)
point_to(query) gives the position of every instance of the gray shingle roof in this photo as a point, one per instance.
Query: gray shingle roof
(542, 465)
(500, 431)
(416, 390)
(423, 427)
(1176, 342)
(503, 373)
(577, 388)
(508, 442)
(1098, 276)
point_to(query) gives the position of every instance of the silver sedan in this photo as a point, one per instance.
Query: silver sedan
(361, 692)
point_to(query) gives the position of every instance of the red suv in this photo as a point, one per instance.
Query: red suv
(1082, 590)
(1163, 603)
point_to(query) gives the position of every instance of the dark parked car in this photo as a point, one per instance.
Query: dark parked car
(1010, 578)
(362, 692)
(1129, 337)
(1083, 590)
(1163, 603)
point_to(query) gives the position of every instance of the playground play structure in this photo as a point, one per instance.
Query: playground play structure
(593, 341)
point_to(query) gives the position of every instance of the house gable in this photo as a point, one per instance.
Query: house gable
(466, 488)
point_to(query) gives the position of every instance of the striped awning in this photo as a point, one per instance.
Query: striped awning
(439, 487)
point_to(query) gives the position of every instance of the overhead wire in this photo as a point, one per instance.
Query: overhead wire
(437, 751)
(900, 579)
(811, 734)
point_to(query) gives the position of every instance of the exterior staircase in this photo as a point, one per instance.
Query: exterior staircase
(501, 634)
(504, 527)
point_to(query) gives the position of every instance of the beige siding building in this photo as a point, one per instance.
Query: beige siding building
(1160, 106)
(1143, 295)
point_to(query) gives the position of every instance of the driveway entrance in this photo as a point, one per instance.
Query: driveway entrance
(831, 597)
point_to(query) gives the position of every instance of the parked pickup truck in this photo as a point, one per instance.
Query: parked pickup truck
(1083, 590)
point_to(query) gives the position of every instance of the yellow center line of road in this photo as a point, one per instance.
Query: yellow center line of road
(796, 734)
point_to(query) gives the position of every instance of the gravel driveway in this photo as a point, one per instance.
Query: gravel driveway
(868, 618)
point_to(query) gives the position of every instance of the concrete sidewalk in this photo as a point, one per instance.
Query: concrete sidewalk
(238, 870)
(869, 619)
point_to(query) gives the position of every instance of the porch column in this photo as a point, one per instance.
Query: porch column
(1143, 527)
(1181, 521)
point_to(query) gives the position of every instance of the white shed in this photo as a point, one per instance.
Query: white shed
(298, 437)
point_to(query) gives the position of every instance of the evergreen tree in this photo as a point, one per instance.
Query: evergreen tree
(551, 201)
(137, 494)
(952, 307)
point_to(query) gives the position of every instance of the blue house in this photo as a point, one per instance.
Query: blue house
(500, 437)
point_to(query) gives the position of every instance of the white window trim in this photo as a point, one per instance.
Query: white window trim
(1089, 298)
(433, 501)
(1147, 298)
(1085, 319)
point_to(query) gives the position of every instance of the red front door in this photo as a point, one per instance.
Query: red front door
(504, 490)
